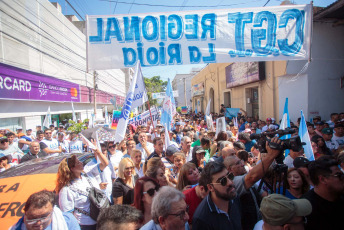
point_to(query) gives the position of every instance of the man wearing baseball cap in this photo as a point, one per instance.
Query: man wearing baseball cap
(319, 127)
(338, 136)
(327, 134)
(280, 212)
(268, 122)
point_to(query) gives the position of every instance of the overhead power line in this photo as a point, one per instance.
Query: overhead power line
(74, 10)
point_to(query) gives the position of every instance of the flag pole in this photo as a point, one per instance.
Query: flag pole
(150, 113)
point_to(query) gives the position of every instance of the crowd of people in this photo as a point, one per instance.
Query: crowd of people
(196, 178)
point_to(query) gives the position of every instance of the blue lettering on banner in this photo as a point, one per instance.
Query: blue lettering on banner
(257, 30)
(127, 106)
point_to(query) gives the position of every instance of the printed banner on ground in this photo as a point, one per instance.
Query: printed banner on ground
(144, 117)
(199, 37)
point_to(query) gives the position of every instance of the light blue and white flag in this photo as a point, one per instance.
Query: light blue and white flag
(47, 120)
(106, 116)
(168, 107)
(207, 110)
(129, 103)
(285, 123)
(303, 133)
(140, 94)
(73, 112)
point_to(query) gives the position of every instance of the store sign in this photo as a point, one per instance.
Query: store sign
(19, 84)
(199, 37)
(243, 73)
(163, 94)
(197, 89)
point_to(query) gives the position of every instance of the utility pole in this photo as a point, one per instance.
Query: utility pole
(95, 92)
(186, 104)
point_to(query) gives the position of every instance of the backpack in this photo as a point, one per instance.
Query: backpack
(98, 200)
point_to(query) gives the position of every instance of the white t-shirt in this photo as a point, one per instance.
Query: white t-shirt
(332, 145)
(52, 145)
(115, 158)
(339, 140)
(69, 199)
(259, 225)
(75, 146)
(139, 172)
(289, 161)
(64, 145)
(150, 147)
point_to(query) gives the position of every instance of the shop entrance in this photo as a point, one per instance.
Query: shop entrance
(252, 102)
(227, 99)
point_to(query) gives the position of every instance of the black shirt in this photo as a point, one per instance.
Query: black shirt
(154, 154)
(30, 156)
(325, 214)
(207, 216)
(119, 188)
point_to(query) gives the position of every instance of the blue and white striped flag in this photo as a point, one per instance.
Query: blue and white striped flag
(168, 107)
(285, 123)
(303, 133)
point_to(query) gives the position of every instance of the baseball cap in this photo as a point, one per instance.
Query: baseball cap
(317, 118)
(319, 123)
(159, 125)
(200, 150)
(172, 149)
(327, 131)
(268, 119)
(21, 134)
(61, 126)
(3, 138)
(19, 127)
(38, 126)
(300, 162)
(177, 123)
(277, 209)
(51, 126)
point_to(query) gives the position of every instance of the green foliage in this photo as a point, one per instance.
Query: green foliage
(77, 127)
(179, 109)
(154, 85)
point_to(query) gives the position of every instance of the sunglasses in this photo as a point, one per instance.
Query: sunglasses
(129, 168)
(151, 191)
(4, 141)
(112, 146)
(181, 214)
(43, 220)
(223, 180)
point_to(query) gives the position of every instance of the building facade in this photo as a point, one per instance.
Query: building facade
(42, 48)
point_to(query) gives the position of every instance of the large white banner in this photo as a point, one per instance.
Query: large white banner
(199, 37)
(144, 117)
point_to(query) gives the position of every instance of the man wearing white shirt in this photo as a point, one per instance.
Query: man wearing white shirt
(63, 143)
(333, 120)
(75, 145)
(327, 135)
(145, 147)
(338, 136)
(53, 148)
(289, 160)
(186, 148)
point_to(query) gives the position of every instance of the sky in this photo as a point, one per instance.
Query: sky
(111, 7)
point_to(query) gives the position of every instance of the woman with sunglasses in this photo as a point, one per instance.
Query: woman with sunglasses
(188, 176)
(114, 155)
(123, 187)
(73, 182)
(144, 191)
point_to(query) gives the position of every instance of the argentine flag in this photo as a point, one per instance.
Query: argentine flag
(285, 123)
(168, 107)
(303, 133)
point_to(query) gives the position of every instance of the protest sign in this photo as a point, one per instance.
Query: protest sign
(220, 125)
(115, 117)
(232, 112)
(144, 117)
(199, 37)
(162, 95)
(184, 110)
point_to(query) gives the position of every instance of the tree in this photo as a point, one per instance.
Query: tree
(154, 85)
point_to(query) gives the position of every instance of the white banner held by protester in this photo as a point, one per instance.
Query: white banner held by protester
(140, 94)
(220, 125)
(47, 120)
(127, 106)
(199, 37)
(210, 123)
(88, 143)
(207, 110)
(144, 117)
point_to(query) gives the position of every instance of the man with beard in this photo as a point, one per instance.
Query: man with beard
(221, 208)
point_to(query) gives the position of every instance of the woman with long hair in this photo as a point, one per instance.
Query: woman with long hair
(297, 184)
(73, 183)
(221, 136)
(198, 157)
(188, 176)
(123, 187)
(155, 168)
(144, 191)
(321, 148)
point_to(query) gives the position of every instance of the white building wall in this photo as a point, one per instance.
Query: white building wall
(324, 94)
